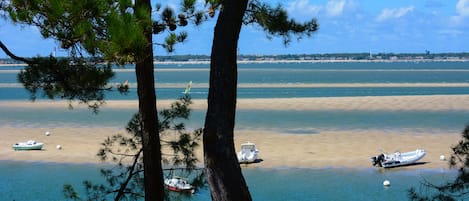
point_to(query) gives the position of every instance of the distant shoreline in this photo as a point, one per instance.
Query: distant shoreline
(296, 61)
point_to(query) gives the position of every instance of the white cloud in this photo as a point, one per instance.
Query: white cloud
(395, 13)
(302, 8)
(335, 7)
(462, 7)
(462, 10)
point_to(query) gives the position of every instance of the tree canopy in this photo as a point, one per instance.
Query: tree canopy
(458, 189)
(224, 174)
(121, 32)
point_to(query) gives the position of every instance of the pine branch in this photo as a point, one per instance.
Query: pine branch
(13, 56)
(123, 186)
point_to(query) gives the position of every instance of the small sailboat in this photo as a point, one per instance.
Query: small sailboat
(188, 88)
(397, 158)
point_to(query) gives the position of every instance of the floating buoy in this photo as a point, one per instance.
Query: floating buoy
(47, 133)
(386, 183)
(58, 147)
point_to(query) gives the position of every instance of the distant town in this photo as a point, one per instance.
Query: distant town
(333, 57)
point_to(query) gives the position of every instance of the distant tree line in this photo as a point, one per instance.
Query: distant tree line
(329, 56)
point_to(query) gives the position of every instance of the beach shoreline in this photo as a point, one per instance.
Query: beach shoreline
(364, 103)
(327, 148)
(338, 149)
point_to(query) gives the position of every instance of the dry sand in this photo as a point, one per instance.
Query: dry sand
(351, 149)
(377, 103)
(327, 149)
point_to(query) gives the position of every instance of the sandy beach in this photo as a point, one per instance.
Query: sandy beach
(327, 149)
(350, 149)
(388, 103)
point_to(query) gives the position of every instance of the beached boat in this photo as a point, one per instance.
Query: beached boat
(179, 184)
(29, 145)
(248, 153)
(398, 158)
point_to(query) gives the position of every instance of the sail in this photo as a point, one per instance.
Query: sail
(188, 88)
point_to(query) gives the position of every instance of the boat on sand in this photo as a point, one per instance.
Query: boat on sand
(248, 153)
(28, 145)
(179, 184)
(397, 158)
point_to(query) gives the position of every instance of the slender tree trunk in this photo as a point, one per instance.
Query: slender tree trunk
(221, 165)
(153, 172)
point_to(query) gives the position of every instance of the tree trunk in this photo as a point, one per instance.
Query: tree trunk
(221, 165)
(153, 172)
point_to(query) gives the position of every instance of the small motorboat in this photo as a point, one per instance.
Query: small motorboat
(179, 184)
(398, 158)
(29, 145)
(248, 153)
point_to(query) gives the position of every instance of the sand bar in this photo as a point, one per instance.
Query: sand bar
(375, 103)
(346, 148)
(351, 149)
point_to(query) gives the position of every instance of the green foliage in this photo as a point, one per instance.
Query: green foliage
(454, 190)
(275, 21)
(66, 79)
(125, 180)
(111, 29)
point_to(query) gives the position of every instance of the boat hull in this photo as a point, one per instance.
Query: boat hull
(398, 159)
(248, 153)
(25, 146)
(179, 185)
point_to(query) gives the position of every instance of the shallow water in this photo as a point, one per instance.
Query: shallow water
(25, 181)
(291, 73)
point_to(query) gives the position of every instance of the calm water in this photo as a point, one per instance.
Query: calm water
(25, 180)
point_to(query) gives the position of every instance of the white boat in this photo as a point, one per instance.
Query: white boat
(29, 145)
(179, 184)
(398, 158)
(248, 153)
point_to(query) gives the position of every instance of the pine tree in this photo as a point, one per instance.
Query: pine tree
(224, 175)
(97, 31)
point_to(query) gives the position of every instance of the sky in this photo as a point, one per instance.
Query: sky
(345, 26)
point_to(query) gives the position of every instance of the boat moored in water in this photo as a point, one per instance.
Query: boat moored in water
(179, 184)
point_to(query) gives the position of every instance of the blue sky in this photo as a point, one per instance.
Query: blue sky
(346, 26)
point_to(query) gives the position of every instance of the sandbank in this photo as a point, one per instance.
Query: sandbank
(341, 148)
(377, 103)
(349, 149)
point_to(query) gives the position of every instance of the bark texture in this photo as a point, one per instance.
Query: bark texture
(153, 173)
(221, 164)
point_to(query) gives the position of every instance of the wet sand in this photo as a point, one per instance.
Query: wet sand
(351, 148)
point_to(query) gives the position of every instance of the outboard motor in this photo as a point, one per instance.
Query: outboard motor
(376, 160)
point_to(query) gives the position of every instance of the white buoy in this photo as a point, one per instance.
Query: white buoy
(58, 147)
(47, 133)
(386, 183)
(442, 157)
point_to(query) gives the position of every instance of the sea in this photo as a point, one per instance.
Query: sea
(27, 181)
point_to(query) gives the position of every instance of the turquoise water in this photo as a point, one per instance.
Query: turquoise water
(27, 181)
(294, 73)
(294, 122)
(298, 92)
(22, 181)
